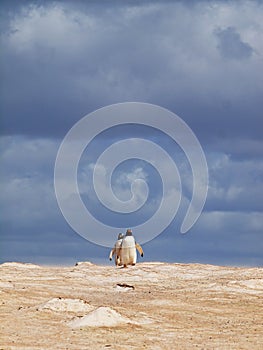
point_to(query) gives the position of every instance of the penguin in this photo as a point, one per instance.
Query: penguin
(116, 250)
(128, 249)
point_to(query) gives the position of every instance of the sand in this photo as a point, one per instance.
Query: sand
(148, 306)
(101, 317)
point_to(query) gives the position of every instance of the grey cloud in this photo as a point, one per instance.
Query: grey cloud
(231, 46)
(45, 246)
(234, 185)
(28, 197)
(35, 230)
(62, 60)
(216, 238)
(59, 63)
(239, 148)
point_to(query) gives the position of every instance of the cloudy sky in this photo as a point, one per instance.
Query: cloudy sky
(202, 60)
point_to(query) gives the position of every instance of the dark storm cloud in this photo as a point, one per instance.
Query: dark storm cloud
(216, 237)
(48, 246)
(200, 59)
(63, 60)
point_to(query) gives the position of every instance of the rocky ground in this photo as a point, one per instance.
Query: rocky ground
(148, 306)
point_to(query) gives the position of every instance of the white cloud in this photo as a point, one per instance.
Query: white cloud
(124, 186)
(235, 223)
(27, 201)
(235, 184)
(27, 174)
(50, 26)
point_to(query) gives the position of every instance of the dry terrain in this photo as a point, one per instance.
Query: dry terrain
(148, 306)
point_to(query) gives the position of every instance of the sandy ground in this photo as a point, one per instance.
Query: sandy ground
(148, 306)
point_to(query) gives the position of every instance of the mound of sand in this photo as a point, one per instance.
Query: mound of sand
(66, 305)
(101, 317)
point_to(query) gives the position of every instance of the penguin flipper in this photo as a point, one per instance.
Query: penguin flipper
(139, 248)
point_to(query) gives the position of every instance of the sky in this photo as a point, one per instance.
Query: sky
(201, 60)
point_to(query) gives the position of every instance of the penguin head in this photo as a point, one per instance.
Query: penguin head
(129, 232)
(120, 236)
